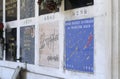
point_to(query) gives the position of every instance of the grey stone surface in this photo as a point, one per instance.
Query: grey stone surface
(11, 10)
(27, 8)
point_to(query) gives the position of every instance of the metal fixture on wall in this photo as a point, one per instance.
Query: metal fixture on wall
(50, 5)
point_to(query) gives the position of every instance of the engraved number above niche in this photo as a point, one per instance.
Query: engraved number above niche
(11, 10)
(72, 4)
(27, 8)
(1, 11)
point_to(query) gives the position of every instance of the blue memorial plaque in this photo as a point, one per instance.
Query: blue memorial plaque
(27, 44)
(79, 45)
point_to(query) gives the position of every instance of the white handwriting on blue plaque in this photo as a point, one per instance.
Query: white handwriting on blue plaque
(79, 45)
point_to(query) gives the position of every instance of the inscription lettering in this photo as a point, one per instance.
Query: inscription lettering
(48, 41)
(53, 58)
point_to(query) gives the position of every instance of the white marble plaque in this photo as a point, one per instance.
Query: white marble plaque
(49, 44)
